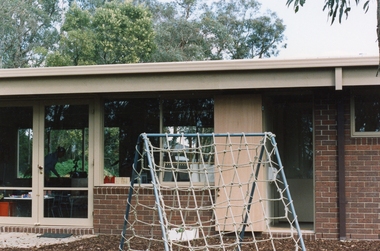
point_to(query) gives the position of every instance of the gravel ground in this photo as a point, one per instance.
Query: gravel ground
(108, 243)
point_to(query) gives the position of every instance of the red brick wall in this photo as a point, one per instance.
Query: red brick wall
(362, 172)
(326, 170)
(363, 187)
(109, 209)
(110, 206)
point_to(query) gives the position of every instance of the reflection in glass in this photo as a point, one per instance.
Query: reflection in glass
(124, 121)
(187, 116)
(293, 126)
(66, 145)
(367, 113)
(66, 204)
(16, 203)
(16, 137)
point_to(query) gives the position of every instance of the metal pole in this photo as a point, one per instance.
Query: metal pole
(251, 198)
(204, 135)
(287, 191)
(156, 194)
(341, 171)
(134, 172)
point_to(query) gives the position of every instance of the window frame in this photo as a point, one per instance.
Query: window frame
(354, 133)
(100, 178)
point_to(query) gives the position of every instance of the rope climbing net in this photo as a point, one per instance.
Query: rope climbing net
(208, 192)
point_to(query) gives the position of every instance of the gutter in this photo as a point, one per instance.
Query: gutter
(191, 66)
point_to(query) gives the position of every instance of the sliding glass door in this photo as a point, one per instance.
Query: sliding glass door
(44, 152)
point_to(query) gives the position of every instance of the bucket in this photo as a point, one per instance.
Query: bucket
(4, 209)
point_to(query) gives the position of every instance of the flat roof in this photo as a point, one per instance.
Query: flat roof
(193, 66)
(219, 75)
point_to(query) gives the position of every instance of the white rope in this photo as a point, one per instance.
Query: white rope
(204, 195)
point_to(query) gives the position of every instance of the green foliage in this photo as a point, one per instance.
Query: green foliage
(297, 4)
(265, 32)
(57, 59)
(111, 150)
(335, 8)
(239, 32)
(124, 34)
(119, 31)
(189, 30)
(338, 8)
(65, 168)
(72, 141)
(179, 36)
(180, 40)
(27, 31)
(25, 151)
(115, 33)
(76, 40)
(90, 5)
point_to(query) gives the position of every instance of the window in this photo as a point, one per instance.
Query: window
(186, 116)
(125, 120)
(25, 143)
(66, 126)
(365, 111)
(16, 137)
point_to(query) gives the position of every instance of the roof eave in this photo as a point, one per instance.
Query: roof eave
(193, 66)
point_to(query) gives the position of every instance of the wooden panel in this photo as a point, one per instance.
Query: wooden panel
(237, 114)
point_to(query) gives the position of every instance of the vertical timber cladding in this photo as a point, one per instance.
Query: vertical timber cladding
(238, 114)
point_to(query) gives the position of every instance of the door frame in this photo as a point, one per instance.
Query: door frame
(296, 186)
(38, 126)
(38, 184)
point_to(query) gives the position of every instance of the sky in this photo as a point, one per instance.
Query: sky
(310, 34)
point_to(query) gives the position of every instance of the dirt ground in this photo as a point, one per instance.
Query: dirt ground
(108, 243)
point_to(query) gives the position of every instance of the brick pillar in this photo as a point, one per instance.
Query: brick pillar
(326, 170)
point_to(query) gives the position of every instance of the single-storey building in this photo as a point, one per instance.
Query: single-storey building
(324, 112)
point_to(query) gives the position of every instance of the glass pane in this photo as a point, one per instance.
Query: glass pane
(292, 120)
(66, 146)
(187, 116)
(16, 203)
(293, 126)
(367, 113)
(65, 204)
(16, 137)
(124, 121)
(25, 144)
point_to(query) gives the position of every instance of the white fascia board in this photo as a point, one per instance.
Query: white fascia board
(194, 66)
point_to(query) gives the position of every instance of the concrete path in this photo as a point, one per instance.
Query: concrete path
(29, 240)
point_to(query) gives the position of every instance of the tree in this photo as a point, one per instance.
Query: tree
(89, 5)
(178, 31)
(76, 45)
(236, 31)
(340, 8)
(124, 34)
(116, 33)
(27, 30)
(113, 31)
(195, 30)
